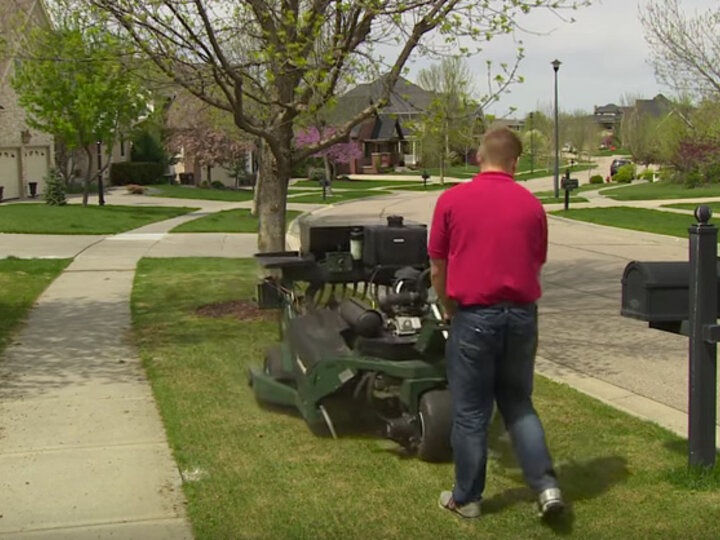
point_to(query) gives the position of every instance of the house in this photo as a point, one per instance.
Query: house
(386, 138)
(608, 117)
(26, 155)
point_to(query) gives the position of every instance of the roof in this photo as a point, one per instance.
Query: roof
(610, 108)
(405, 99)
(657, 106)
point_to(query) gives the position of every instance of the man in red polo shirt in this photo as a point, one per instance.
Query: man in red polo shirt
(488, 242)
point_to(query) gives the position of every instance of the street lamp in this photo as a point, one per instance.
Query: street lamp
(556, 65)
(532, 143)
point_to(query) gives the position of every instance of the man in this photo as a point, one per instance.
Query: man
(488, 242)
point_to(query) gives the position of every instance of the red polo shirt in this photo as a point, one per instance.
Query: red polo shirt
(493, 234)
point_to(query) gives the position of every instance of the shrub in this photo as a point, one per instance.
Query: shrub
(316, 173)
(343, 178)
(625, 174)
(217, 184)
(130, 172)
(134, 189)
(596, 179)
(55, 188)
(648, 175)
(693, 179)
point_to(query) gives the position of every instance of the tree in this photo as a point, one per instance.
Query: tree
(450, 120)
(685, 49)
(341, 152)
(72, 85)
(640, 136)
(274, 64)
(582, 132)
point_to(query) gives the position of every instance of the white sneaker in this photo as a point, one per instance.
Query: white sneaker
(550, 502)
(469, 510)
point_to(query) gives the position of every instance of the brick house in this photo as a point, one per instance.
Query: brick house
(25, 154)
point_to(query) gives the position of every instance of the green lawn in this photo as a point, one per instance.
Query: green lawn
(561, 200)
(661, 190)
(259, 473)
(616, 152)
(581, 188)
(21, 282)
(638, 219)
(74, 219)
(525, 175)
(432, 186)
(714, 206)
(337, 196)
(190, 192)
(227, 221)
(357, 184)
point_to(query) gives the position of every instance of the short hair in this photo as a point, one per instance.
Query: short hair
(500, 146)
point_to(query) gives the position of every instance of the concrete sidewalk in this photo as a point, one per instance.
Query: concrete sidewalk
(83, 452)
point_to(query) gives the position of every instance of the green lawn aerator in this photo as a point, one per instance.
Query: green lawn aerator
(362, 335)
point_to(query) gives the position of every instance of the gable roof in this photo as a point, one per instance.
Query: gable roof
(17, 15)
(405, 99)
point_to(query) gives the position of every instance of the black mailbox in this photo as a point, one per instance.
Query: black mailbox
(657, 291)
(569, 183)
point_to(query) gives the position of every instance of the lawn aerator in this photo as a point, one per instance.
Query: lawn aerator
(362, 334)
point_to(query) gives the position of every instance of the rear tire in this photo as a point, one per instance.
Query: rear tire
(435, 414)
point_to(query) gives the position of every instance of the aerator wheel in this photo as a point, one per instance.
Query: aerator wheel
(435, 425)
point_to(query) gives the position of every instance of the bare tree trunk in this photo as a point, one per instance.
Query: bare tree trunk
(271, 196)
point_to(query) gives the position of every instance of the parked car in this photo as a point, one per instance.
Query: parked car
(617, 163)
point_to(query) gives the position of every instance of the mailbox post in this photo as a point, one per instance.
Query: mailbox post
(682, 298)
(703, 339)
(425, 176)
(568, 184)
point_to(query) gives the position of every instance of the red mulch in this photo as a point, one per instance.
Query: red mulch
(242, 310)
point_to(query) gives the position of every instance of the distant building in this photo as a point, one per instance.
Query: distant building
(25, 154)
(386, 138)
(608, 116)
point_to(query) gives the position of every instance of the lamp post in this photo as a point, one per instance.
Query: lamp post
(556, 66)
(532, 143)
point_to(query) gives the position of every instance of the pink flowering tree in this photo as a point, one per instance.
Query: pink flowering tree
(342, 152)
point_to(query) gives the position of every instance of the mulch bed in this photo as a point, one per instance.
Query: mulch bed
(242, 310)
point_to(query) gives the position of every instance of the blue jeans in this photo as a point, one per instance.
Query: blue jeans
(491, 357)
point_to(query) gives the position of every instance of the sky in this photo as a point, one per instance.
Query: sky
(603, 53)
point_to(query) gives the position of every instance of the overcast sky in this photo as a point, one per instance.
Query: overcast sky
(604, 57)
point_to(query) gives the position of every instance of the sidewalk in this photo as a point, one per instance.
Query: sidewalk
(83, 452)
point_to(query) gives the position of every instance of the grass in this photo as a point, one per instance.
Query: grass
(561, 200)
(637, 219)
(608, 152)
(661, 190)
(76, 219)
(714, 206)
(337, 196)
(21, 282)
(433, 186)
(525, 175)
(261, 474)
(227, 221)
(580, 189)
(356, 184)
(189, 192)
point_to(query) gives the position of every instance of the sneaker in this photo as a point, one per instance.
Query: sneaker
(469, 510)
(550, 502)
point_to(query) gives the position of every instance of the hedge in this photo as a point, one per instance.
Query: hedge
(135, 172)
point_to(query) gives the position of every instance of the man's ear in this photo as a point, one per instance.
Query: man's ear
(514, 166)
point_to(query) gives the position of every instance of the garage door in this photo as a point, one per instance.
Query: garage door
(36, 161)
(10, 172)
